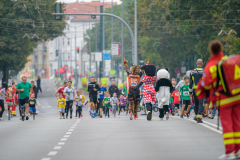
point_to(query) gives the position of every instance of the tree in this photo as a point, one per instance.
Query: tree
(25, 18)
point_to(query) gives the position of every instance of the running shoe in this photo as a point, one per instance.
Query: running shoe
(100, 116)
(79, 117)
(181, 116)
(199, 120)
(187, 115)
(167, 115)
(9, 118)
(227, 156)
(149, 115)
(161, 119)
(22, 118)
(33, 118)
(63, 117)
(212, 117)
(195, 118)
(238, 154)
(60, 117)
(66, 117)
(119, 114)
(70, 117)
(11, 115)
(135, 117)
(27, 118)
(131, 116)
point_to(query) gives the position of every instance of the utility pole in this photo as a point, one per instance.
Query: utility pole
(83, 48)
(42, 55)
(76, 73)
(135, 32)
(112, 37)
(103, 41)
(90, 64)
(58, 57)
(122, 47)
(96, 49)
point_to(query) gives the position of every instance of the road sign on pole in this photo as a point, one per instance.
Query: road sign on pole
(178, 70)
(106, 55)
(115, 49)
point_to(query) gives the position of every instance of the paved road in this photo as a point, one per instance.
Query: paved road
(49, 138)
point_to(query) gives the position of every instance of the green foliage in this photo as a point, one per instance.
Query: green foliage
(20, 18)
(171, 31)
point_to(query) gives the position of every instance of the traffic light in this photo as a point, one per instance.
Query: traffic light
(77, 49)
(58, 9)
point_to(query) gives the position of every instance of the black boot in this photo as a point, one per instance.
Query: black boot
(199, 120)
(71, 113)
(76, 112)
(149, 111)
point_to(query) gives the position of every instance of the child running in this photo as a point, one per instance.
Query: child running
(185, 96)
(61, 105)
(122, 103)
(78, 101)
(10, 101)
(114, 102)
(176, 100)
(107, 103)
(32, 104)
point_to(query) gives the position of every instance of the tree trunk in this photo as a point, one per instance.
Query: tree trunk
(5, 73)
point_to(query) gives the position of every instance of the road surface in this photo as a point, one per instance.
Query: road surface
(51, 138)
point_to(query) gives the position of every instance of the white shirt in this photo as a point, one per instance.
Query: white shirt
(78, 100)
(69, 92)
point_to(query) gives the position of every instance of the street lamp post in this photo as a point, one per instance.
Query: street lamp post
(135, 33)
(122, 48)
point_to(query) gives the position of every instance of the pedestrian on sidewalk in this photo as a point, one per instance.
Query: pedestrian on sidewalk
(39, 84)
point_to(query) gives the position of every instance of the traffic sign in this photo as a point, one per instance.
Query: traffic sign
(178, 70)
(106, 55)
(183, 63)
(40, 70)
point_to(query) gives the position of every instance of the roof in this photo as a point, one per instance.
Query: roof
(86, 7)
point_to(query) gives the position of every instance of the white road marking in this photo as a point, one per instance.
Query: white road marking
(66, 136)
(57, 147)
(218, 131)
(70, 130)
(52, 153)
(46, 159)
(214, 125)
(69, 133)
(61, 143)
(207, 126)
(73, 127)
(63, 139)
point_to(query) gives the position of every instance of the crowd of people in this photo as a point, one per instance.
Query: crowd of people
(24, 94)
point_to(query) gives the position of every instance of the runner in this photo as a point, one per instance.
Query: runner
(34, 89)
(114, 103)
(32, 104)
(23, 89)
(10, 102)
(107, 103)
(78, 101)
(122, 104)
(2, 98)
(12, 90)
(93, 89)
(69, 93)
(195, 76)
(101, 97)
(61, 105)
(185, 96)
(60, 91)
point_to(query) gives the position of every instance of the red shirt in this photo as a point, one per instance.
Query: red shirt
(60, 91)
(10, 100)
(12, 90)
(176, 97)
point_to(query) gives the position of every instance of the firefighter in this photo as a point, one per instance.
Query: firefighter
(228, 105)
(195, 76)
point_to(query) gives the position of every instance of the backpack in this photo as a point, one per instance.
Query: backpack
(228, 74)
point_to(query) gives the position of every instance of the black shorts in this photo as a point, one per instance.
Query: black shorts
(93, 99)
(131, 97)
(177, 106)
(23, 101)
(69, 104)
(100, 104)
(79, 108)
(187, 102)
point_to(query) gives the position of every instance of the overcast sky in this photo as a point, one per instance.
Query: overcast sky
(67, 1)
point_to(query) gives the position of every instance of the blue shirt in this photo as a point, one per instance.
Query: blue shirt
(102, 90)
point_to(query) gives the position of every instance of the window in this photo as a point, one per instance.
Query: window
(68, 56)
(68, 41)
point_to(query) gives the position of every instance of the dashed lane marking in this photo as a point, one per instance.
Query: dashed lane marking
(66, 136)
(63, 139)
(69, 133)
(57, 147)
(70, 130)
(61, 143)
(46, 159)
(52, 153)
